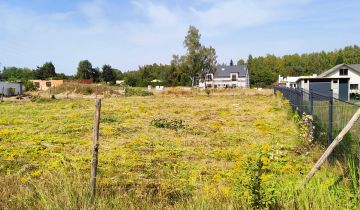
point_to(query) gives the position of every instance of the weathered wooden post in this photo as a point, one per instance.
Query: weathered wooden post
(2, 95)
(67, 93)
(95, 151)
(332, 146)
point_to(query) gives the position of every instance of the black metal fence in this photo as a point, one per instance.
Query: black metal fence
(329, 113)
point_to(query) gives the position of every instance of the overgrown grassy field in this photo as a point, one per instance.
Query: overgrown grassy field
(164, 151)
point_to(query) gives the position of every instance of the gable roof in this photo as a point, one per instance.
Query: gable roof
(355, 67)
(225, 71)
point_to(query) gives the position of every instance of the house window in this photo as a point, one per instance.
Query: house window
(233, 77)
(343, 72)
(305, 81)
(335, 81)
(354, 86)
(48, 84)
(37, 84)
(208, 77)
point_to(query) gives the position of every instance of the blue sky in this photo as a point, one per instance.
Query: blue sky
(127, 34)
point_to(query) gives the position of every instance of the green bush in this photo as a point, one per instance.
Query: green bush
(39, 99)
(29, 86)
(174, 124)
(137, 92)
(254, 185)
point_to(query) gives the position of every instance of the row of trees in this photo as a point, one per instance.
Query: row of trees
(23, 74)
(107, 73)
(47, 71)
(264, 70)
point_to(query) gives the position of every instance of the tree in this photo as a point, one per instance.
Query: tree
(208, 61)
(119, 74)
(17, 74)
(193, 56)
(46, 71)
(108, 74)
(199, 59)
(84, 70)
(231, 62)
(95, 74)
(241, 62)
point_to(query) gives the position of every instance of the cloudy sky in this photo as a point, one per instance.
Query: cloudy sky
(126, 34)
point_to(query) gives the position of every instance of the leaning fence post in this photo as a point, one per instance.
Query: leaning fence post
(95, 146)
(332, 146)
(331, 111)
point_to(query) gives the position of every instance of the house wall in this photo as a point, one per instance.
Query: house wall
(43, 86)
(7, 86)
(223, 82)
(334, 86)
(303, 85)
(354, 78)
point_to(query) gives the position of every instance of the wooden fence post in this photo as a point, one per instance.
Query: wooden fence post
(95, 151)
(332, 146)
(2, 95)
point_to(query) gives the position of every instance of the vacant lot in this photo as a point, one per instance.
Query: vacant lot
(155, 152)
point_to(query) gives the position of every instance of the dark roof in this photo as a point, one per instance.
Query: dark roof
(224, 71)
(355, 67)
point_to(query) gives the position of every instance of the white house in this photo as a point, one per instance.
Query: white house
(228, 77)
(351, 71)
(291, 82)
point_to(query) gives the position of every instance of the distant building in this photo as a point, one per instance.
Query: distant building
(46, 84)
(337, 87)
(119, 82)
(351, 71)
(228, 77)
(11, 88)
(291, 82)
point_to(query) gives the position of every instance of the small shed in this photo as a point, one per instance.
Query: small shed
(337, 87)
(11, 88)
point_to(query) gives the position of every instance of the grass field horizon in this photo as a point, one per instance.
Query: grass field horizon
(186, 151)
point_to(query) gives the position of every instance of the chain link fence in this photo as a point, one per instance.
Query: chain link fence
(330, 115)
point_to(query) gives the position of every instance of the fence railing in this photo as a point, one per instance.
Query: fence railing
(329, 113)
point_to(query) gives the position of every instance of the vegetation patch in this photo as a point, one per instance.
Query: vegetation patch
(173, 124)
(137, 92)
(242, 153)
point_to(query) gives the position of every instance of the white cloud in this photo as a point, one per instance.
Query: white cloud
(152, 31)
(156, 13)
(245, 13)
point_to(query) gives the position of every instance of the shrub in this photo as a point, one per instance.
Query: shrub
(174, 124)
(254, 183)
(39, 99)
(29, 86)
(137, 92)
(207, 91)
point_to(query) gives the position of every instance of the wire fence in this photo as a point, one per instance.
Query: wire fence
(329, 113)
